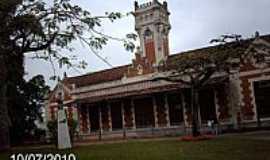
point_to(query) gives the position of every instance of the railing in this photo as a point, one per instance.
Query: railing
(136, 133)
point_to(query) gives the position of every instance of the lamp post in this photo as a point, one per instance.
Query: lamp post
(63, 137)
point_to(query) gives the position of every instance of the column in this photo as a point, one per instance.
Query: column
(76, 116)
(79, 119)
(123, 120)
(183, 103)
(199, 116)
(88, 119)
(83, 113)
(100, 119)
(155, 111)
(109, 116)
(167, 110)
(234, 99)
(133, 114)
(123, 115)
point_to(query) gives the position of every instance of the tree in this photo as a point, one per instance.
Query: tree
(26, 102)
(47, 30)
(197, 69)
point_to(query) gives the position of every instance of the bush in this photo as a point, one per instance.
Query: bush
(39, 134)
(52, 128)
(72, 126)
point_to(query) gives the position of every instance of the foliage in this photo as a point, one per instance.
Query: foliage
(39, 134)
(72, 126)
(46, 29)
(52, 128)
(25, 107)
(196, 67)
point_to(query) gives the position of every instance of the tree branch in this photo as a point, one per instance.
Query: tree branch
(171, 80)
(48, 43)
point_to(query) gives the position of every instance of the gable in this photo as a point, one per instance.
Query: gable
(65, 91)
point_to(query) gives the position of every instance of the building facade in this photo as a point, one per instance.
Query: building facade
(124, 101)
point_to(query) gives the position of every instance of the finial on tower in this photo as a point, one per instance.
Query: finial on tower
(65, 75)
(257, 34)
(136, 5)
(165, 4)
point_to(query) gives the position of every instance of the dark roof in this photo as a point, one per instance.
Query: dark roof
(118, 72)
(98, 77)
(202, 53)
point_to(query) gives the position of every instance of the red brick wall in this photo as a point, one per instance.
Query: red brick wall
(150, 51)
(142, 61)
(247, 108)
(52, 112)
(70, 113)
(246, 66)
(161, 111)
(166, 47)
(128, 114)
(82, 111)
(223, 103)
(105, 118)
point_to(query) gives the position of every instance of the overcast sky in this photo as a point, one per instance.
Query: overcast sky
(194, 24)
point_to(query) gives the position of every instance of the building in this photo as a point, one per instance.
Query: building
(123, 101)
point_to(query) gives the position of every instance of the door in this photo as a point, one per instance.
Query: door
(116, 115)
(94, 118)
(262, 98)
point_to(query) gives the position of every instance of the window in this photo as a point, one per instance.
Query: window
(116, 115)
(147, 32)
(207, 105)
(175, 109)
(262, 95)
(144, 114)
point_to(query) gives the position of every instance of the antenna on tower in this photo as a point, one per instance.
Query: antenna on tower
(165, 4)
(65, 75)
(136, 5)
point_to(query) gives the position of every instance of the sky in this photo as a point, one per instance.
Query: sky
(194, 23)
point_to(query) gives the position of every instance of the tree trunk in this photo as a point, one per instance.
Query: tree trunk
(4, 117)
(194, 107)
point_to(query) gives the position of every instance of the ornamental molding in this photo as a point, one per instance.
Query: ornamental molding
(113, 84)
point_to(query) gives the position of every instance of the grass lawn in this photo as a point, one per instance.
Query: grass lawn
(225, 148)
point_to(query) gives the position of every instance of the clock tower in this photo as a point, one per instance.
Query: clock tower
(152, 25)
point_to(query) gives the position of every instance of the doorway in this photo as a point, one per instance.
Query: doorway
(144, 115)
(94, 118)
(262, 96)
(116, 115)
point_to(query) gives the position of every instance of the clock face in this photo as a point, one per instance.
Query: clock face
(148, 34)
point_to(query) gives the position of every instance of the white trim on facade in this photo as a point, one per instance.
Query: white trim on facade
(257, 71)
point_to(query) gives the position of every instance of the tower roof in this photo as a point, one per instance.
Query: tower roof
(149, 5)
